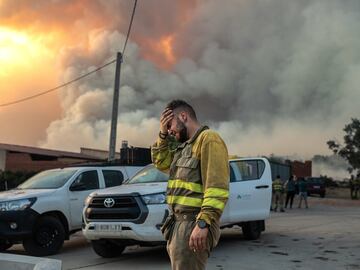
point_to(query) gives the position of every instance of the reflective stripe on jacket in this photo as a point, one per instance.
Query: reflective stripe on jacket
(199, 174)
(277, 185)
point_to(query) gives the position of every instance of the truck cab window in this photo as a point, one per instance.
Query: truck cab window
(89, 180)
(113, 178)
(246, 170)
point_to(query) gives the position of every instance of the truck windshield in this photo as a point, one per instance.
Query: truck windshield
(50, 179)
(148, 175)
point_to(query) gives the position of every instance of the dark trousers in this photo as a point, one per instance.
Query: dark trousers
(177, 233)
(289, 197)
(354, 192)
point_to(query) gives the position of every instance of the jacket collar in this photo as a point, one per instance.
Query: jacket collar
(194, 137)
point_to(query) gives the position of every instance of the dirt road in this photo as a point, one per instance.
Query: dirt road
(325, 236)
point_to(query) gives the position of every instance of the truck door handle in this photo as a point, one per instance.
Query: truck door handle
(264, 186)
(74, 199)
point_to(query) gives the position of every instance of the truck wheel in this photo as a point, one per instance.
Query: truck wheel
(4, 245)
(107, 249)
(251, 230)
(47, 238)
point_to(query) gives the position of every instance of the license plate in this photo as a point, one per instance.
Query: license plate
(108, 227)
(316, 186)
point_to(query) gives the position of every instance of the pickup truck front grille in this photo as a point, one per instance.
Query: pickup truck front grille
(123, 208)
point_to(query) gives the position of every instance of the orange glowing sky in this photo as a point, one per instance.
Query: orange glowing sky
(201, 47)
(24, 54)
(27, 66)
(32, 36)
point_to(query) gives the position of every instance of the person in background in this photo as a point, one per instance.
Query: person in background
(278, 191)
(302, 191)
(290, 187)
(352, 186)
(357, 186)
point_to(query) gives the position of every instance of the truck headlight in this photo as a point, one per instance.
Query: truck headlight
(88, 200)
(157, 198)
(17, 205)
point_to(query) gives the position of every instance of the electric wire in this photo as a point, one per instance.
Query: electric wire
(129, 29)
(78, 78)
(57, 87)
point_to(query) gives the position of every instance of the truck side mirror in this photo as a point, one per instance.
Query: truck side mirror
(77, 186)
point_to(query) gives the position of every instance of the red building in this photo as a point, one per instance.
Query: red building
(301, 169)
(24, 158)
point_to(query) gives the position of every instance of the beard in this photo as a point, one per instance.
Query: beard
(183, 134)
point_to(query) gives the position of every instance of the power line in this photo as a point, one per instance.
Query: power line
(80, 77)
(129, 29)
(57, 87)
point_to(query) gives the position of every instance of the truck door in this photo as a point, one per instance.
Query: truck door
(250, 189)
(85, 183)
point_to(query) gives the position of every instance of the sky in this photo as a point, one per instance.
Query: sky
(272, 77)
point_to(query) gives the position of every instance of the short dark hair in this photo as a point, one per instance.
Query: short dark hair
(181, 104)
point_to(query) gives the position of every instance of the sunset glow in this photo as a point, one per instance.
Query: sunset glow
(19, 49)
(166, 47)
(160, 51)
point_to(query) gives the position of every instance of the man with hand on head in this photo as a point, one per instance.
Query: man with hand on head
(198, 187)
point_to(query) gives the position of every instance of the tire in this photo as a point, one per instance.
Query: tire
(251, 230)
(47, 238)
(4, 245)
(322, 195)
(107, 249)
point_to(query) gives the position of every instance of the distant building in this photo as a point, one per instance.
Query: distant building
(102, 154)
(34, 159)
(302, 169)
(285, 168)
(128, 155)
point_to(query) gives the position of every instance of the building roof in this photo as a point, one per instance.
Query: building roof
(45, 152)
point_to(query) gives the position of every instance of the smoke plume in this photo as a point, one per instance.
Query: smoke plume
(271, 76)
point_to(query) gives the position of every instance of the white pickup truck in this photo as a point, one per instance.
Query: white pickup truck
(44, 210)
(134, 212)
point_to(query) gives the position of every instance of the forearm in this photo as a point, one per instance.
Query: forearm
(215, 174)
(160, 155)
(162, 152)
(210, 215)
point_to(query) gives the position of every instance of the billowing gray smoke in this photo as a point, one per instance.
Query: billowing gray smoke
(332, 166)
(271, 76)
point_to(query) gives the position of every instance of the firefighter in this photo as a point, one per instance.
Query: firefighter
(198, 187)
(278, 193)
(356, 186)
(352, 187)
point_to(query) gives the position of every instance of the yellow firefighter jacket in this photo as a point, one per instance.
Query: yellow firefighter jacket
(199, 173)
(277, 185)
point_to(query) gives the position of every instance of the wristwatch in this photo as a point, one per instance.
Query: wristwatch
(202, 224)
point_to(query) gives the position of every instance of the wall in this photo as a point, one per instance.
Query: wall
(302, 169)
(2, 159)
(102, 154)
(23, 162)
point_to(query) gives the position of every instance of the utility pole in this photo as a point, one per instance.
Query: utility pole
(114, 117)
